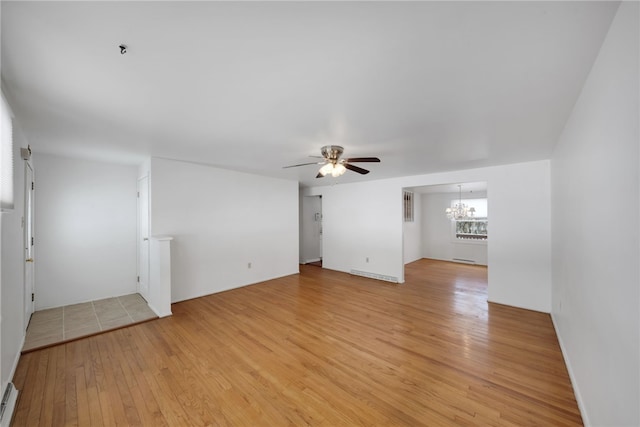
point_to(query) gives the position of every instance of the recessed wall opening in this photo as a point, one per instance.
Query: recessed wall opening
(447, 222)
(311, 246)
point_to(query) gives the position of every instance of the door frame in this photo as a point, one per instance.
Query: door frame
(28, 245)
(140, 238)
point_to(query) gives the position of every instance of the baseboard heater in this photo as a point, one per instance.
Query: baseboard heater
(466, 261)
(375, 276)
(8, 404)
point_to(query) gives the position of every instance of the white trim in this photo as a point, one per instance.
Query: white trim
(199, 295)
(138, 234)
(158, 312)
(312, 260)
(13, 398)
(26, 244)
(17, 359)
(11, 405)
(574, 384)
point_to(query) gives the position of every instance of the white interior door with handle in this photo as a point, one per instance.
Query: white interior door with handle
(143, 237)
(29, 189)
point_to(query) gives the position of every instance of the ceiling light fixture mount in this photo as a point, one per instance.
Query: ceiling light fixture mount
(332, 153)
(123, 49)
(460, 211)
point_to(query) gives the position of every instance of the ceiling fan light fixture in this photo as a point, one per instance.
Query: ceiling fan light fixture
(332, 164)
(326, 169)
(338, 170)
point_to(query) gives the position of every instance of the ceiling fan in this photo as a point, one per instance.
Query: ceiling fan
(335, 166)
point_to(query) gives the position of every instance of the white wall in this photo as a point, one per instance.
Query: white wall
(12, 281)
(85, 230)
(310, 249)
(595, 232)
(437, 240)
(222, 220)
(365, 220)
(412, 232)
(360, 221)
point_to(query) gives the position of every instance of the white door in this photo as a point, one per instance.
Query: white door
(29, 292)
(320, 224)
(143, 237)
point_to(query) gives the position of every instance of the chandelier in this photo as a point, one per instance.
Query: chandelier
(460, 211)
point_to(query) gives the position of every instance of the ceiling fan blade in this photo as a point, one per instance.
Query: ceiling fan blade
(356, 169)
(362, 159)
(303, 164)
(319, 175)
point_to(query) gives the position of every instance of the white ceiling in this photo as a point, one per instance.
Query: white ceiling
(425, 86)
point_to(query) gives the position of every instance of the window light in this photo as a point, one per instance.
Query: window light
(6, 157)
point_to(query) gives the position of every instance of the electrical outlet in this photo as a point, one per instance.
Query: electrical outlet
(249, 265)
(367, 259)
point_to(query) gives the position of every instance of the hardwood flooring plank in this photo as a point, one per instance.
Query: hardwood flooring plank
(321, 348)
(37, 397)
(25, 383)
(84, 417)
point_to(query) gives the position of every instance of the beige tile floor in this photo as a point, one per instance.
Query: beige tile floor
(74, 321)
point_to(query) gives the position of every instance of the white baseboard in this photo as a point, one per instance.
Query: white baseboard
(312, 260)
(574, 384)
(13, 397)
(17, 358)
(159, 313)
(11, 406)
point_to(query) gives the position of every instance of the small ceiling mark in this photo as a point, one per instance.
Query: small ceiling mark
(123, 49)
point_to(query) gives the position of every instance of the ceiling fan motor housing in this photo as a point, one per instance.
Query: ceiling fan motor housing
(332, 152)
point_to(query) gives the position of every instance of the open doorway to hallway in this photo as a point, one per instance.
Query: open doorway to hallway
(311, 246)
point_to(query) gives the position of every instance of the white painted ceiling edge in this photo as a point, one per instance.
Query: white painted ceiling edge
(467, 187)
(255, 86)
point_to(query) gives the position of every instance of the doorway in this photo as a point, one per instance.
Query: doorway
(143, 237)
(29, 276)
(434, 235)
(311, 230)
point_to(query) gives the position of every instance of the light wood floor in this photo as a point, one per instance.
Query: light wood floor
(319, 348)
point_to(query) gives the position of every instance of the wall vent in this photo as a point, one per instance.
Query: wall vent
(8, 404)
(377, 276)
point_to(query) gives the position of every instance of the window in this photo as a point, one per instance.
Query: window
(475, 228)
(408, 206)
(6, 157)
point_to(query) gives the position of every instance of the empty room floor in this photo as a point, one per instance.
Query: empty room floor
(319, 348)
(56, 325)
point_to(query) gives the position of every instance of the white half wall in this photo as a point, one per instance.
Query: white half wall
(437, 230)
(221, 222)
(596, 248)
(365, 220)
(85, 230)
